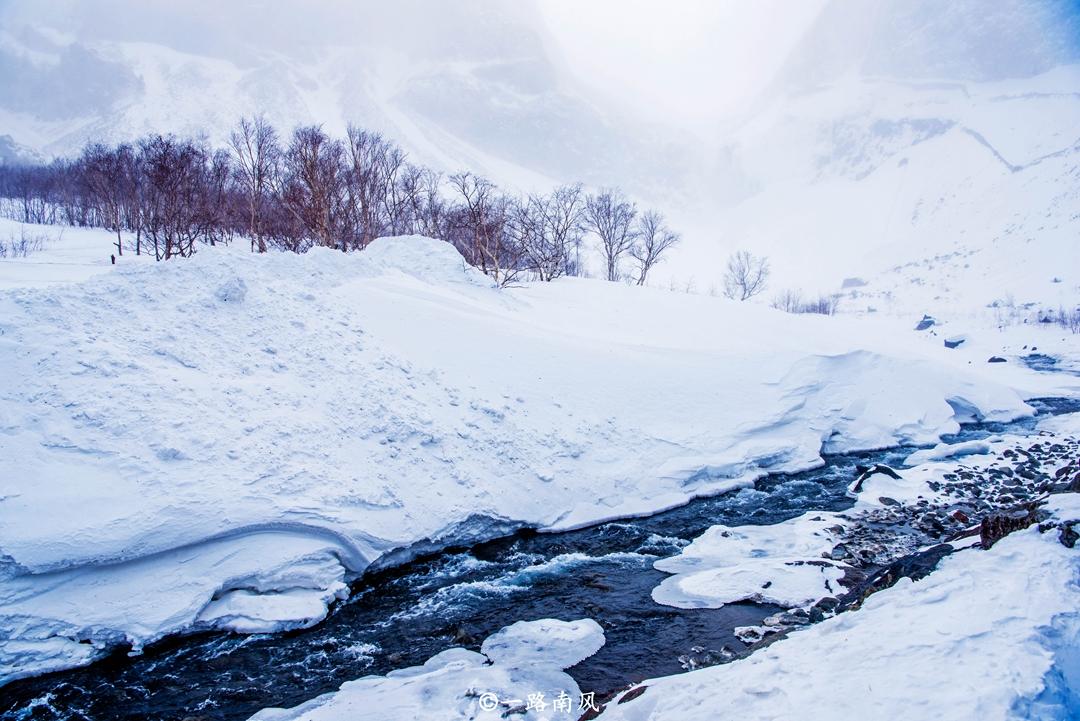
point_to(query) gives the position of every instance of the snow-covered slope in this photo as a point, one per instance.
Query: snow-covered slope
(861, 175)
(249, 431)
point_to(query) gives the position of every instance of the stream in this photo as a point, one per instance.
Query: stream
(402, 616)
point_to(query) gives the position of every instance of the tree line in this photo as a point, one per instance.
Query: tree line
(166, 195)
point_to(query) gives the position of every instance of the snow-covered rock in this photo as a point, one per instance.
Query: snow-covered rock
(942, 451)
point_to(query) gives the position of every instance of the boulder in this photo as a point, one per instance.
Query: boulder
(954, 341)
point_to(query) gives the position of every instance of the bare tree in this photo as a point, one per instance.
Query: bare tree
(170, 193)
(101, 173)
(312, 186)
(552, 241)
(745, 276)
(652, 240)
(373, 164)
(255, 153)
(432, 211)
(482, 219)
(395, 198)
(611, 218)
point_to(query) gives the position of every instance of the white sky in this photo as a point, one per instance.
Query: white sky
(690, 61)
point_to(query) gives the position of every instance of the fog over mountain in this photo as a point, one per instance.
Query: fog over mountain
(700, 108)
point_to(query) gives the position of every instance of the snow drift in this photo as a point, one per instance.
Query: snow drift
(227, 441)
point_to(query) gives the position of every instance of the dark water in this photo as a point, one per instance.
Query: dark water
(1047, 364)
(403, 616)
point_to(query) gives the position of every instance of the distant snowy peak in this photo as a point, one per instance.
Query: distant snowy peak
(468, 87)
(964, 40)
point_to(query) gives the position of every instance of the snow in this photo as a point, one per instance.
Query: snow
(68, 255)
(227, 442)
(338, 410)
(523, 659)
(989, 635)
(778, 563)
(944, 451)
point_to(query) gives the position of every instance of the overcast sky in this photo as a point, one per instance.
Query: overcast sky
(697, 59)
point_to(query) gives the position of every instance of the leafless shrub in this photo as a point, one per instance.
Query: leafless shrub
(1067, 318)
(23, 244)
(822, 305)
(746, 275)
(791, 301)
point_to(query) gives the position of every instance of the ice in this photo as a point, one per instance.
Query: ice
(780, 563)
(558, 643)
(526, 658)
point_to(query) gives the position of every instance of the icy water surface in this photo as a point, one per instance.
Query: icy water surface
(403, 616)
(1047, 364)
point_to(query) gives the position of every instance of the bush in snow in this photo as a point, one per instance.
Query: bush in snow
(1067, 319)
(21, 246)
(791, 301)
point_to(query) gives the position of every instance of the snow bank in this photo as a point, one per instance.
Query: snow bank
(778, 563)
(357, 404)
(980, 638)
(521, 660)
(944, 451)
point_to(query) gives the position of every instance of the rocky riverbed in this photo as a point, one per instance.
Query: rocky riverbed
(966, 506)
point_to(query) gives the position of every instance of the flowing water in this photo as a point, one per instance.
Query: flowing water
(402, 616)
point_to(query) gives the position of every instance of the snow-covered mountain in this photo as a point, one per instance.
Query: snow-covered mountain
(469, 84)
(886, 129)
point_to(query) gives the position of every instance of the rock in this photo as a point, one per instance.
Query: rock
(954, 341)
(594, 582)
(463, 637)
(632, 694)
(993, 528)
(1068, 536)
(839, 552)
(886, 501)
(852, 283)
(925, 323)
(996, 359)
(864, 473)
(914, 566)
(827, 604)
